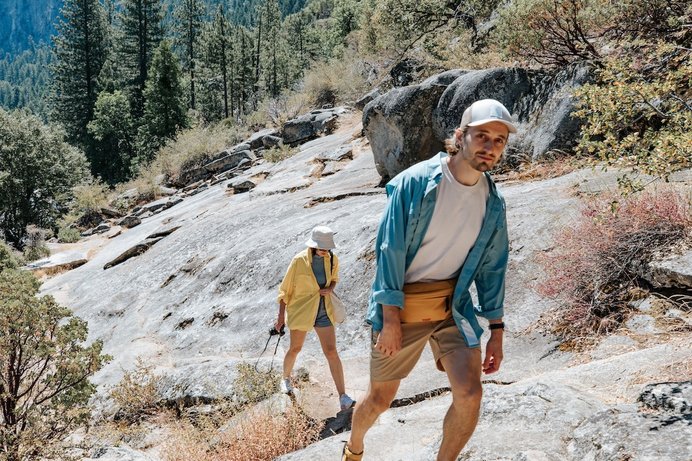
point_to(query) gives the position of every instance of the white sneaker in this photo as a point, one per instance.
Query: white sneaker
(286, 386)
(346, 402)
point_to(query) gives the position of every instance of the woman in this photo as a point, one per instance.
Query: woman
(304, 295)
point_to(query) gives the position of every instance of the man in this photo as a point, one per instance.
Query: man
(444, 227)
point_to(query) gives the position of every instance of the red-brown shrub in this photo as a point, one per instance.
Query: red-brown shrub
(593, 268)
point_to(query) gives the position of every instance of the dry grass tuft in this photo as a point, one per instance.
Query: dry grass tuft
(260, 435)
(137, 394)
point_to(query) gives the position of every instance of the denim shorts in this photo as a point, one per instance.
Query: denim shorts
(322, 319)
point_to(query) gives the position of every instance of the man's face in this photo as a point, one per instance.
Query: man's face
(483, 145)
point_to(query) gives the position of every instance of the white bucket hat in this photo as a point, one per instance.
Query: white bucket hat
(486, 111)
(322, 238)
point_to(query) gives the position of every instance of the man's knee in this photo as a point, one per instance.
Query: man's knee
(381, 398)
(467, 396)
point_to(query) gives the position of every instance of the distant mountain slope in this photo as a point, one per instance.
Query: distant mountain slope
(22, 22)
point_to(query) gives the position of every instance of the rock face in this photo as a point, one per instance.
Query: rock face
(201, 299)
(407, 125)
(308, 126)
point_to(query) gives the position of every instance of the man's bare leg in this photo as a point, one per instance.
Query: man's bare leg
(463, 367)
(368, 409)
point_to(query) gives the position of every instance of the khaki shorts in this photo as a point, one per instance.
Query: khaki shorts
(444, 337)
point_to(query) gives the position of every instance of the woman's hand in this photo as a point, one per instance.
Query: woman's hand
(326, 291)
(279, 324)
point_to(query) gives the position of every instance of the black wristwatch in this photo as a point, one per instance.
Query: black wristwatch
(497, 326)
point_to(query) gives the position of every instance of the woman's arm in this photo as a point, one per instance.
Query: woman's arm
(281, 318)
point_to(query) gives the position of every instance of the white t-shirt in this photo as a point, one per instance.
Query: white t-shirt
(454, 227)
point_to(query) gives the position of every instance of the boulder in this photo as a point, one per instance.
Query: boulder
(270, 141)
(363, 101)
(309, 126)
(509, 86)
(111, 213)
(130, 221)
(674, 271)
(342, 153)
(240, 185)
(228, 161)
(397, 138)
(255, 140)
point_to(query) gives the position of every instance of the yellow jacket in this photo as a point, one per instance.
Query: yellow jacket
(301, 293)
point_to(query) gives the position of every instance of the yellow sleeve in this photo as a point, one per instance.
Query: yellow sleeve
(286, 287)
(335, 271)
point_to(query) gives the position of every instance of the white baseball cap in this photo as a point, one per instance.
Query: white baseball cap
(486, 111)
(322, 238)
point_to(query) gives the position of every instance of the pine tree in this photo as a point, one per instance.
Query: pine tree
(271, 42)
(218, 64)
(140, 33)
(114, 133)
(80, 50)
(189, 15)
(164, 108)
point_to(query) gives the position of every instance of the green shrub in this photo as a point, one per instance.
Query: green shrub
(595, 263)
(9, 257)
(336, 81)
(36, 189)
(279, 153)
(68, 235)
(89, 196)
(35, 243)
(192, 147)
(637, 114)
(554, 32)
(45, 370)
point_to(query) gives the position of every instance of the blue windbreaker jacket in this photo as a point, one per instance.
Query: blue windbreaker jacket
(412, 195)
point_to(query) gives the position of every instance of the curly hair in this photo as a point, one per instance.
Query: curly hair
(451, 145)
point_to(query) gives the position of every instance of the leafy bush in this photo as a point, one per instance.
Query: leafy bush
(637, 114)
(35, 243)
(594, 266)
(89, 196)
(68, 235)
(277, 111)
(36, 189)
(9, 258)
(45, 370)
(554, 32)
(137, 394)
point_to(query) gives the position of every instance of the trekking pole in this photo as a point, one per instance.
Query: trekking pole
(272, 332)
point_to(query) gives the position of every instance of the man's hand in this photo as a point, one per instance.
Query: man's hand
(493, 353)
(389, 339)
(326, 291)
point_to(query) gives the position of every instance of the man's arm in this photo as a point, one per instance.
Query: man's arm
(391, 267)
(490, 286)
